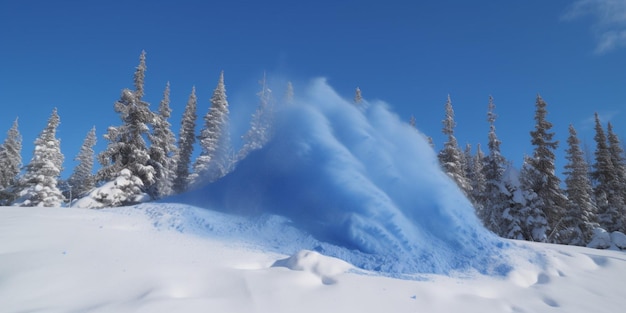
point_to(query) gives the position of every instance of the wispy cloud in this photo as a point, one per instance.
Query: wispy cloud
(609, 21)
(605, 117)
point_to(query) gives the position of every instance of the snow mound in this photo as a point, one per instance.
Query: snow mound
(326, 268)
(361, 179)
(113, 193)
(601, 239)
(619, 240)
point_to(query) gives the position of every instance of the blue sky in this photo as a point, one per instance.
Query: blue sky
(78, 56)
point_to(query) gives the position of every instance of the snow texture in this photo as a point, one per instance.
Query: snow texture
(116, 260)
(358, 178)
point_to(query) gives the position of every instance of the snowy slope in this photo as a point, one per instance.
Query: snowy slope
(344, 210)
(150, 259)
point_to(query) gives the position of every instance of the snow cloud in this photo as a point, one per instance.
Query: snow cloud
(609, 21)
(358, 178)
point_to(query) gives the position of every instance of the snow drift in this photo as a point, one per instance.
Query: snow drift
(360, 178)
(115, 260)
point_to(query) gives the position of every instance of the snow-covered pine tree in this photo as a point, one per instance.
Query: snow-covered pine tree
(496, 200)
(539, 181)
(533, 220)
(260, 129)
(289, 93)
(464, 166)
(619, 163)
(39, 187)
(163, 148)
(476, 177)
(468, 167)
(10, 164)
(127, 147)
(512, 221)
(451, 157)
(608, 198)
(580, 218)
(358, 98)
(140, 76)
(215, 159)
(82, 179)
(412, 121)
(186, 139)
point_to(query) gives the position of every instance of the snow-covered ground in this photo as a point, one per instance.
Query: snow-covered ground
(173, 258)
(345, 210)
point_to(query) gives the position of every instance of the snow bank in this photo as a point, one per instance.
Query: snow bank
(361, 179)
(115, 260)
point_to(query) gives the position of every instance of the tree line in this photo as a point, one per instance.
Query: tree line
(532, 203)
(144, 160)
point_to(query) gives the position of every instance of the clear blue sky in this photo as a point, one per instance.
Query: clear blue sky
(78, 55)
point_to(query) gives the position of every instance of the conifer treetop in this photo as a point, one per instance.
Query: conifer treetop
(448, 123)
(140, 75)
(164, 106)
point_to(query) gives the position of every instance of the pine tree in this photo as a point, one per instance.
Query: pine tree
(540, 183)
(358, 98)
(39, 187)
(214, 160)
(476, 176)
(580, 218)
(512, 220)
(140, 76)
(619, 161)
(127, 147)
(496, 200)
(533, 219)
(10, 164)
(163, 148)
(609, 199)
(186, 139)
(619, 165)
(468, 167)
(451, 157)
(260, 129)
(82, 179)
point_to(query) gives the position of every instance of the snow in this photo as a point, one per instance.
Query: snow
(361, 179)
(326, 268)
(149, 259)
(114, 193)
(618, 239)
(344, 210)
(601, 239)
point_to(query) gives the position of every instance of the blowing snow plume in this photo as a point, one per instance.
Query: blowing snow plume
(361, 179)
